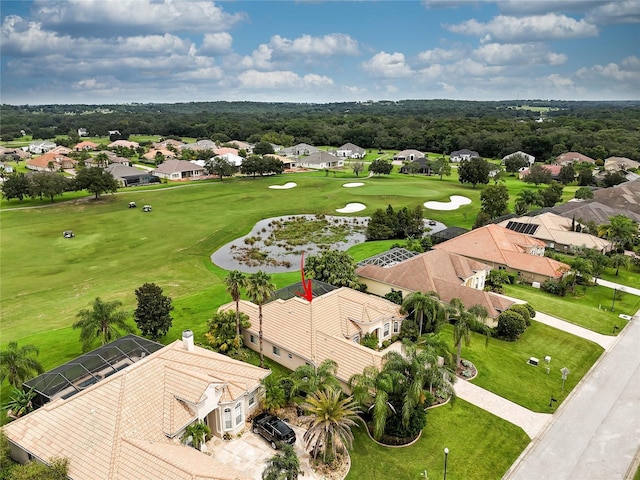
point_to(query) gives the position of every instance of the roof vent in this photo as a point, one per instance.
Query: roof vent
(187, 340)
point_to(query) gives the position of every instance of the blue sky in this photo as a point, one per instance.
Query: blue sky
(120, 51)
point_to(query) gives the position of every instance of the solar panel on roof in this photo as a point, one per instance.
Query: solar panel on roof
(520, 227)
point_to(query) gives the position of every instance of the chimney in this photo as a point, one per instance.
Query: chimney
(187, 340)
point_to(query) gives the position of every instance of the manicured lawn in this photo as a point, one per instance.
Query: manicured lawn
(503, 368)
(481, 446)
(590, 307)
(369, 249)
(625, 276)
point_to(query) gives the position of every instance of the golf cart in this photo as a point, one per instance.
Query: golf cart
(132, 205)
(68, 234)
(146, 208)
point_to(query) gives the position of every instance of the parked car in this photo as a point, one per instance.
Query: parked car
(273, 430)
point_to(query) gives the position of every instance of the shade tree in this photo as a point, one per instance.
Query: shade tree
(474, 171)
(153, 311)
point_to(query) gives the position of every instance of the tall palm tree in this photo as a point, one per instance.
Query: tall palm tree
(236, 281)
(371, 390)
(461, 327)
(260, 289)
(198, 433)
(620, 230)
(19, 364)
(284, 465)
(308, 379)
(329, 419)
(620, 260)
(583, 268)
(424, 304)
(103, 321)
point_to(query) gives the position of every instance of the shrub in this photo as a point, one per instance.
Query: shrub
(522, 310)
(532, 311)
(409, 330)
(555, 287)
(417, 421)
(370, 341)
(510, 325)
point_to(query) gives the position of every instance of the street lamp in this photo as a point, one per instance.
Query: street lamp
(446, 454)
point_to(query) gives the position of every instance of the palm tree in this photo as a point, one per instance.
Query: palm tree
(421, 304)
(619, 260)
(329, 421)
(260, 289)
(235, 281)
(583, 268)
(372, 389)
(274, 394)
(20, 402)
(19, 364)
(620, 230)
(284, 465)
(461, 327)
(308, 379)
(198, 432)
(103, 321)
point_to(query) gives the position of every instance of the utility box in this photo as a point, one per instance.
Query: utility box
(533, 361)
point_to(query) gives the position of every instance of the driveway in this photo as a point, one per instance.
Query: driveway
(249, 453)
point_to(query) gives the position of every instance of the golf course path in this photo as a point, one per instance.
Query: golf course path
(531, 422)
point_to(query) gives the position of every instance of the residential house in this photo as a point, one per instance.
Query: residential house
(349, 150)
(299, 150)
(60, 149)
(554, 170)
(13, 154)
(298, 332)
(420, 165)
(449, 275)
(530, 158)
(199, 145)
(408, 156)
(42, 146)
(82, 132)
(123, 144)
(464, 154)
(128, 423)
(573, 157)
(320, 160)
(240, 145)
(51, 162)
(505, 249)
(165, 152)
(178, 170)
(615, 164)
(130, 176)
(593, 211)
(86, 145)
(287, 162)
(168, 142)
(559, 233)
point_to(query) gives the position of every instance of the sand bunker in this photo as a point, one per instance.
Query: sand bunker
(353, 184)
(455, 202)
(285, 186)
(351, 208)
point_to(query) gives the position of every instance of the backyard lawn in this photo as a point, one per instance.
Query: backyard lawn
(481, 446)
(590, 308)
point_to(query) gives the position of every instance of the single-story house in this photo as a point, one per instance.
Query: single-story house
(129, 423)
(240, 145)
(60, 149)
(168, 142)
(86, 145)
(573, 157)
(464, 154)
(50, 162)
(165, 152)
(123, 144)
(409, 155)
(320, 160)
(620, 163)
(297, 332)
(505, 249)
(530, 158)
(349, 150)
(420, 165)
(178, 169)
(554, 170)
(82, 132)
(5, 168)
(233, 158)
(13, 154)
(449, 275)
(299, 150)
(199, 145)
(287, 162)
(130, 176)
(593, 211)
(559, 233)
(42, 146)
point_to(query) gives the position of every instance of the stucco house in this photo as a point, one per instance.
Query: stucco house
(530, 158)
(123, 144)
(573, 157)
(557, 232)
(50, 162)
(298, 332)
(86, 145)
(42, 146)
(554, 171)
(298, 150)
(349, 150)
(409, 155)
(178, 170)
(320, 160)
(615, 164)
(505, 249)
(449, 275)
(129, 176)
(129, 424)
(199, 145)
(464, 154)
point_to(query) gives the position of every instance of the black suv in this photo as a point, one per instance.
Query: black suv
(273, 430)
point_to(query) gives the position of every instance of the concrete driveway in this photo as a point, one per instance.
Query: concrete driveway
(249, 453)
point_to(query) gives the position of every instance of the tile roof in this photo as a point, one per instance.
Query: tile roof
(570, 157)
(123, 143)
(171, 165)
(120, 427)
(594, 211)
(501, 246)
(620, 163)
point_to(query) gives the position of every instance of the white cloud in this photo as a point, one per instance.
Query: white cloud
(261, 59)
(281, 79)
(517, 54)
(327, 45)
(216, 43)
(102, 18)
(622, 11)
(505, 29)
(387, 65)
(627, 72)
(438, 55)
(556, 81)
(201, 74)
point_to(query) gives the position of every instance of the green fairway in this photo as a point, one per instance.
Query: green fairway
(481, 446)
(503, 368)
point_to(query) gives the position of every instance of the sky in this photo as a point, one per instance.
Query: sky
(164, 51)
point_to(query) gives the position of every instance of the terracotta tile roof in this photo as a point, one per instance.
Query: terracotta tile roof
(223, 150)
(498, 245)
(86, 145)
(117, 428)
(123, 143)
(58, 160)
(571, 157)
(321, 330)
(170, 166)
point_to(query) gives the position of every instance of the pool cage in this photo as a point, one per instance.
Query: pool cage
(297, 290)
(388, 258)
(90, 368)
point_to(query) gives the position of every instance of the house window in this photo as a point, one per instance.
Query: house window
(290, 356)
(396, 327)
(356, 339)
(227, 419)
(252, 400)
(386, 330)
(276, 350)
(238, 413)
(252, 339)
